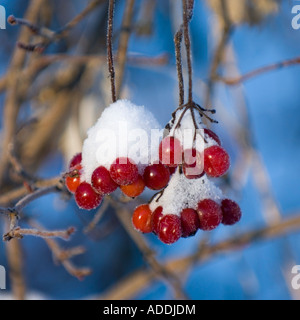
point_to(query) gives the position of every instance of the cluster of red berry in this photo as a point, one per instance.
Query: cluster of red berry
(123, 173)
(208, 214)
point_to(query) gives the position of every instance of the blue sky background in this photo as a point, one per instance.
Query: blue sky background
(259, 270)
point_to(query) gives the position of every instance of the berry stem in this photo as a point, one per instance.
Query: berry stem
(178, 41)
(187, 16)
(110, 59)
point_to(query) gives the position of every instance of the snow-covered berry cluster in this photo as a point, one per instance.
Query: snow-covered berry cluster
(126, 149)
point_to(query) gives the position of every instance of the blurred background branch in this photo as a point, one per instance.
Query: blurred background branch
(54, 86)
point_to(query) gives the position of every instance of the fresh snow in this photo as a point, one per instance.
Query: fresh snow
(123, 130)
(183, 193)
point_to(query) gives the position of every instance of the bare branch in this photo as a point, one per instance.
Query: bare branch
(149, 255)
(187, 15)
(19, 233)
(111, 68)
(63, 256)
(258, 72)
(178, 41)
(33, 196)
(140, 279)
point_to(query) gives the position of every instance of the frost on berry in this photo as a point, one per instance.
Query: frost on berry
(231, 212)
(124, 171)
(170, 152)
(192, 164)
(156, 176)
(77, 158)
(72, 178)
(141, 218)
(134, 189)
(155, 219)
(210, 134)
(86, 197)
(190, 222)
(210, 214)
(102, 181)
(216, 161)
(169, 229)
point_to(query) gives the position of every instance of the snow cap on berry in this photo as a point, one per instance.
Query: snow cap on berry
(183, 193)
(123, 130)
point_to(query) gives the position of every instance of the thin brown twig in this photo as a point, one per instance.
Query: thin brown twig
(19, 233)
(63, 256)
(20, 192)
(110, 58)
(97, 216)
(49, 35)
(178, 42)
(258, 72)
(188, 6)
(141, 278)
(14, 254)
(21, 204)
(89, 8)
(149, 256)
(12, 102)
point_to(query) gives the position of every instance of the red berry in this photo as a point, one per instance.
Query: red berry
(156, 176)
(210, 214)
(189, 222)
(192, 164)
(172, 170)
(86, 197)
(141, 218)
(75, 160)
(134, 189)
(231, 212)
(123, 171)
(169, 230)
(170, 151)
(155, 219)
(216, 161)
(212, 135)
(72, 180)
(102, 181)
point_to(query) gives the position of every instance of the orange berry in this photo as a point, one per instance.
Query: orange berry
(141, 218)
(134, 189)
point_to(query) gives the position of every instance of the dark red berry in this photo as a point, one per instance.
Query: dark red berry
(156, 176)
(231, 212)
(134, 189)
(192, 164)
(124, 171)
(216, 161)
(210, 214)
(72, 179)
(75, 160)
(102, 181)
(212, 135)
(172, 170)
(141, 218)
(190, 222)
(169, 230)
(170, 151)
(86, 197)
(155, 219)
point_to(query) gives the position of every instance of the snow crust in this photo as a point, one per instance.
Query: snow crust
(183, 193)
(123, 130)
